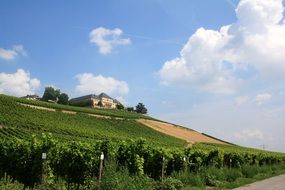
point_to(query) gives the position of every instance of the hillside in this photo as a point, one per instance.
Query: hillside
(75, 138)
(21, 118)
(21, 121)
(190, 136)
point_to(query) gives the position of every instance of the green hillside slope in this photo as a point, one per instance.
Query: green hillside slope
(18, 121)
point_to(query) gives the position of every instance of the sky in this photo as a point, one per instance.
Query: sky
(214, 66)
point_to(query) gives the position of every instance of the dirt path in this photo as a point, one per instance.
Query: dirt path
(37, 107)
(67, 111)
(189, 135)
(274, 183)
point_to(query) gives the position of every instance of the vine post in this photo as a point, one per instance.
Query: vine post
(44, 157)
(184, 164)
(100, 169)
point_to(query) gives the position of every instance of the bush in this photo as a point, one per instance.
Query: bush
(169, 184)
(188, 179)
(6, 183)
(232, 174)
(121, 179)
(210, 180)
(249, 171)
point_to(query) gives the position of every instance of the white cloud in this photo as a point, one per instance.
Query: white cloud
(105, 39)
(214, 61)
(249, 134)
(88, 83)
(241, 100)
(18, 84)
(261, 98)
(122, 100)
(11, 54)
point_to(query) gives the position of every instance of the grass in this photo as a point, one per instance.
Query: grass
(225, 178)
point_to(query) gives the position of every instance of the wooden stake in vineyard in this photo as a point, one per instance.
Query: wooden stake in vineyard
(44, 157)
(100, 169)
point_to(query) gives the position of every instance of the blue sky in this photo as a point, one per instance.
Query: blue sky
(214, 66)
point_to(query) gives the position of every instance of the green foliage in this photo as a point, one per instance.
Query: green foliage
(22, 159)
(130, 109)
(63, 99)
(189, 178)
(73, 153)
(140, 108)
(232, 174)
(120, 107)
(170, 184)
(81, 107)
(249, 171)
(20, 121)
(86, 103)
(75, 162)
(51, 94)
(121, 179)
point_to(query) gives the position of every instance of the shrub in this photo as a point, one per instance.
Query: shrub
(232, 174)
(121, 179)
(7, 183)
(170, 184)
(249, 171)
(188, 179)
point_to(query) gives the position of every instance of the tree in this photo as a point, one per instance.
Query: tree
(119, 106)
(130, 109)
(63, 99)
(51, 94)
(140, 108)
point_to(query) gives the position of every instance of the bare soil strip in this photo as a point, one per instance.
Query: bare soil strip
(66, 111)
(186, 134)
(100, 116)
(276, 183)
(37, 107)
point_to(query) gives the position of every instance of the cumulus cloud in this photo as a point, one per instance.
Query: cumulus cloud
(122, 100)
(105, 39)
(217, 61)
(11, 54)
(261, 98)
(18, 84)
(89, 83)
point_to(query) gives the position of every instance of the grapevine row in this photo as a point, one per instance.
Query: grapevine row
(77, 161)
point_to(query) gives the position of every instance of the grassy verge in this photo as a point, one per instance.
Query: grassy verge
(266, 172)
(225, 178)
(120, 179)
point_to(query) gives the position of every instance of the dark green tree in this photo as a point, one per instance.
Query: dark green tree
(51, 94)
(120, 106)
(140, 108)
(63, 99)
(130, 109)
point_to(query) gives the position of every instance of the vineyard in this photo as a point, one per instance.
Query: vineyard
(97, 111)
(73, 144)
(19, 121)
